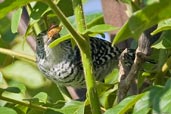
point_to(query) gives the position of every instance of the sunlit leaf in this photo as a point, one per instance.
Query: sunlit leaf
(164, 25)
(100, 29)
(164, 42)
(94, 19)
(124, 105)
(15, 20)
(143, 19)
(59, 40)
(24, 72)
(73, 107)
(42, 96)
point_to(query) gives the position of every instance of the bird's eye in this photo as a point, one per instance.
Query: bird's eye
(39, 41)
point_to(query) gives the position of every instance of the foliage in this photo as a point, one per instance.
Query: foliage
(23, 89)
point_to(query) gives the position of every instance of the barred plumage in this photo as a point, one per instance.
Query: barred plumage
(63, 65)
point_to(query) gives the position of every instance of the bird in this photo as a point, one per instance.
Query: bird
(62, 64)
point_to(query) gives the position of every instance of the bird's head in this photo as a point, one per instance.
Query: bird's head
(53, 33)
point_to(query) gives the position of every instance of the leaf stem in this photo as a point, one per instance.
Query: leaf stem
(84, 46)
(17, 55)
(30, 105)
(79, 15)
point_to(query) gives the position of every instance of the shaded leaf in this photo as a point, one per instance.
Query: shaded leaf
(38, 10)
(5, 110)
(162, 102)
(143, 19)
(124, 105)
(143, 105)
(164, 42)
(8, 5)
(164, 25)
(15, 20)
(49, 111)
(34, 111)
(66, 7)
(18, 85)
(13, 89)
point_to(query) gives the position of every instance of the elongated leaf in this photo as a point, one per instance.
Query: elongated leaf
(100, 29)
(94, 19)
(162, 100)
(8, 5)
(164, 25)
(164, 42)
(143, 19)
(59, 40)
(39, 10)
(143, 105)
(15, 20)
(13, 89)
(124, 105)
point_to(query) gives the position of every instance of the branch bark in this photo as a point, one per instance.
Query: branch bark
(127, 75)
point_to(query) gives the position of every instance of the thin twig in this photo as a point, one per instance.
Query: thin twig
(17, 55)
(127, 74)
(30, 105)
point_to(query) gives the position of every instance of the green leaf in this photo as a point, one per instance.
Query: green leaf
(112, 77)
(143, 19)
(25, 73)
(73, 107)
(8, 5)
(38, 10)
(143, 105)
(162, 102)
(5, 110)
(100, 29)
(15, 20)
(164, 25)
(124, 105)
(18, 85)
(5, 33)
(126, 1)
(107, 94)
(59, 40)
(66, 7)
(13, 89)
(21, 109)
(164, 42)
(1, 78)
(94, 19)
(49, 111)
(42, 96)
